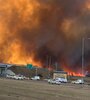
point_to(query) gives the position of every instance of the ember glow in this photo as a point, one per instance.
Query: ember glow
(72, 73)
(31, 30)
(87, 6)
(75, 74)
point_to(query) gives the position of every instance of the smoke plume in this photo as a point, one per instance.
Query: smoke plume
(32, 30)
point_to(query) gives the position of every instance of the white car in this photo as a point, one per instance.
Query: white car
(51, 81)
(79, 81)
(62, 80)
(58, 82)
(17, 77)
(54, 81)
(26, 78)
(10, 76)
(35, 78)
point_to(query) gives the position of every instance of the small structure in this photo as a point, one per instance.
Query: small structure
(4, 69)
(60, 74)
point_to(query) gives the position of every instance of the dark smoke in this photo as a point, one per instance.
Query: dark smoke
(47, 37)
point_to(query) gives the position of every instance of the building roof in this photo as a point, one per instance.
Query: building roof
(60, 72)
(2, 65)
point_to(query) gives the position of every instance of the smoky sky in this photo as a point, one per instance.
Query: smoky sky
(45, 28)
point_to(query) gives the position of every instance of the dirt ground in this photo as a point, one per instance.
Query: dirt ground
(40, 90)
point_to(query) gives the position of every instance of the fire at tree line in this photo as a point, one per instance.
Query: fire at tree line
(32, 29)
(29, 71)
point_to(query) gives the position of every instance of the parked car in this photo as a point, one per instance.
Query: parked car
(78, 81)
(10, 76)
(54, 81)
(62, 80)
(18, 77)
(26, 78)
(35, 78)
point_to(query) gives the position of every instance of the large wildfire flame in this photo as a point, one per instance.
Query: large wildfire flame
(32, 29)
(16, 15)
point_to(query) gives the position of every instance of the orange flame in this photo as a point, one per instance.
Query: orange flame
(87, 5)
(26, 16)
(73, 73)
(25, 9)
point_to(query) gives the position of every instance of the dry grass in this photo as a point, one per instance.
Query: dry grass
(39, 90)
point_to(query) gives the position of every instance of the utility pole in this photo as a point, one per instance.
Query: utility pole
(49, 64)
(56, 65)
(82, 59)
(36, 71)
(83, 54)
(6, 70)
(83, 40)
